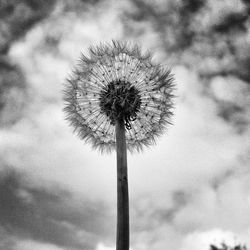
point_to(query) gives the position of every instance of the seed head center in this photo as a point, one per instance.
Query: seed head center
(119, 100)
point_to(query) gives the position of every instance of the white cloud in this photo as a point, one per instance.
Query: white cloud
(202, 240)
(31, 245)
(161, 236)
(229, 89)
(101, 246)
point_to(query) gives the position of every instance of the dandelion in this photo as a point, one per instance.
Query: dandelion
(117, 98)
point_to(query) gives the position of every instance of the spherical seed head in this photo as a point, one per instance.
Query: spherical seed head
(117, 82)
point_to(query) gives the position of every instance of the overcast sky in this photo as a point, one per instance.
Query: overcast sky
(189, 190)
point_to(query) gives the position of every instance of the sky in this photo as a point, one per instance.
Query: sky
(189, 190)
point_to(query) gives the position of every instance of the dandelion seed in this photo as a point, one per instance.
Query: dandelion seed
(118, 82)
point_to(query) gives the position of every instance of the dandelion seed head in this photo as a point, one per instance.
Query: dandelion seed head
(118, 82)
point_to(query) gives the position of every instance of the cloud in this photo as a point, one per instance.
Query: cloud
(30, 245)
(102, 247)
(50, 214)
(12, 92)
(18, 18)
(202, 240)
(191, 181)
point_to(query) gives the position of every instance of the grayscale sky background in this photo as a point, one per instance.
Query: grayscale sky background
(189, 190)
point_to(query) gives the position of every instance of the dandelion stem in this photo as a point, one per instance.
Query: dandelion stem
(122, 233)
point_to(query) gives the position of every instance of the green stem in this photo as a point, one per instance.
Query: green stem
(122, 233)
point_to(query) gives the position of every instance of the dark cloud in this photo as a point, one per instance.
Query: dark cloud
(232, 22)
(192, 6)
(49, 216)
(30, 218)
(171, 20)
(80, 7)
(12, 92)
(18, 17)
(235, 114)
